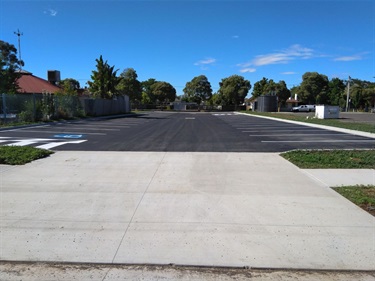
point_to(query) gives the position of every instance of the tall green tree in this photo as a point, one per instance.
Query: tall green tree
(147, 95)
(336, 92)
(314, 88)
(9, 68)
(129, 85)
(233, 90)
(282, 92)
(362, 94)
(104, 80)
(260, 87)
(198, 90)
(163, 92)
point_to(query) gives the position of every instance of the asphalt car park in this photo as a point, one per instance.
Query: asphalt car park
(182, 132)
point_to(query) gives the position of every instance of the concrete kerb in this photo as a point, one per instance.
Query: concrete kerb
(336, 129)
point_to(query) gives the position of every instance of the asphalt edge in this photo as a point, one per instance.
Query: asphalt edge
(342, 130)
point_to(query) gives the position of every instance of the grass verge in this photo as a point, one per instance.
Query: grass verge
(332, 159)
(363, 127)
(20, 155)
(361, 195)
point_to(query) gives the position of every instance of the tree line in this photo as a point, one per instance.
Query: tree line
(105, 82)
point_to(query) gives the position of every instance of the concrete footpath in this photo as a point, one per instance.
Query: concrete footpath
(253, 210)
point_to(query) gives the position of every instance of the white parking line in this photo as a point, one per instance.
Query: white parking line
(292, 135)
(282, 130)
(27, 142)
(304, 141)
(55, 144)
(99, 126)
(57, 131)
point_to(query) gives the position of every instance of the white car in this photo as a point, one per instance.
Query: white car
(303, 108)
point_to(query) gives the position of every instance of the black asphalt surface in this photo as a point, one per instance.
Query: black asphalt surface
(182, 132)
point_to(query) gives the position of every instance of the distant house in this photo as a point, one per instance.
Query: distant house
(30, 84)
(292, 102)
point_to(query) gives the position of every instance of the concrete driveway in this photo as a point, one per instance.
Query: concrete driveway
(252, 209)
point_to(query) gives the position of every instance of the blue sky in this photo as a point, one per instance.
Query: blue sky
(175, 41)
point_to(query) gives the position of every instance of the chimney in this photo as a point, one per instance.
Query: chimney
(53, 76)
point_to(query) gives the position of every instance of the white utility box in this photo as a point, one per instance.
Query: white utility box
(327, 112)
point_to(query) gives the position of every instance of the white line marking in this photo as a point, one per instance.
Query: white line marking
(326, 141)
(26, 142)
(71, 133)
(55, 144)
(293, 130)
(292, 135)
(98, 126)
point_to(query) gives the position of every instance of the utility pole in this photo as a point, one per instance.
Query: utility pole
(347, 95)
(19, 34)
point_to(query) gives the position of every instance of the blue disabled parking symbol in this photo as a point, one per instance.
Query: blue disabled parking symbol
(68, 136)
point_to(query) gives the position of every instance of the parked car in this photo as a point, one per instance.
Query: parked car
(304, 108)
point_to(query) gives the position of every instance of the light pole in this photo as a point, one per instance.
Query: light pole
(347, 95)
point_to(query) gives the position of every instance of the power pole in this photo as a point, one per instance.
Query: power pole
(19, 34)
(347, 95)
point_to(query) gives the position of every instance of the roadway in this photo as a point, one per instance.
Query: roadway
(182, 132)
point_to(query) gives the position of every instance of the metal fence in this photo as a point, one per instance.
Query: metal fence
(38, 107)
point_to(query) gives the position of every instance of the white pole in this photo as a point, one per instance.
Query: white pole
(347, 95)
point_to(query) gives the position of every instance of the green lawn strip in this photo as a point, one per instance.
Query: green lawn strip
(361, 195)
(20, 155)
(332, 159)
(369, 128)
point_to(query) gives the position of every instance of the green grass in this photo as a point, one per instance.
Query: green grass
(369, 128)
(332, 159)
(361, 195)
(20, 155)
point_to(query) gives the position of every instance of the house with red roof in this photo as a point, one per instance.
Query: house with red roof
(30, 84)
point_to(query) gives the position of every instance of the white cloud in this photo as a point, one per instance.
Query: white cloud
(288, 73)
(349, 58)
(206, 61)
(284, 56)
(248, 70)
(50, 12)
(281, 57)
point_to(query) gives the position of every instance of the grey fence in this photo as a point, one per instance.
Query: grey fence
(44, 107)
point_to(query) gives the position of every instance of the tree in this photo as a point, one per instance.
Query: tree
(129, 85)
(361, 93)
(314, 88)
(269, 87)
(198, 89)
(105, 80)
(336, 92)
(163, 92)
(147, 95)
(9, 68)
(282, 92)
(69, 85)
(234, 89)
(216, 99)
(260, 87)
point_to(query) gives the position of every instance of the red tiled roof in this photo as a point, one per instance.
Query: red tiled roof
(292, 101)
(28, 83)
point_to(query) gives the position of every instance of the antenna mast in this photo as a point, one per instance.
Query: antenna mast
(19, 34)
